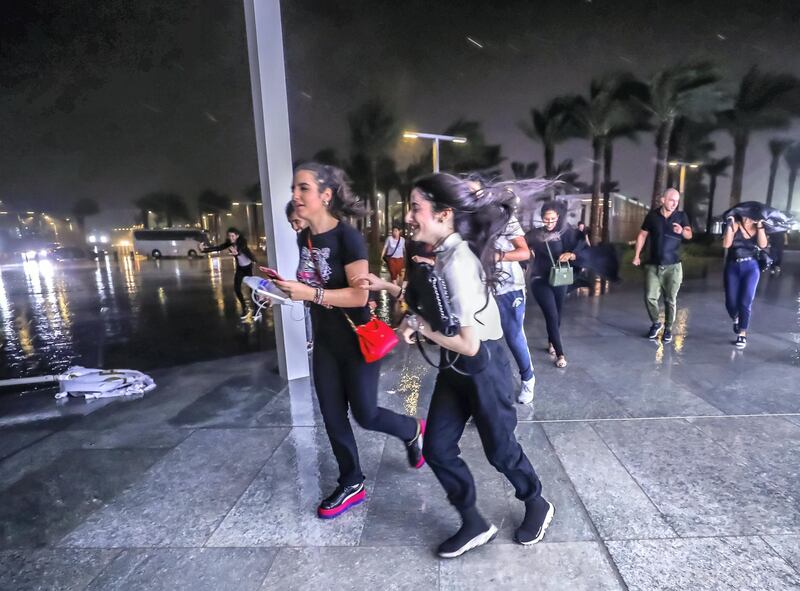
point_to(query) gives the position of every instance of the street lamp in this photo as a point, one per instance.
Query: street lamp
(413, 135)
(683, 166)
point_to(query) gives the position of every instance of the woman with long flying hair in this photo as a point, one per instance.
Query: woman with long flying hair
(332, 255)
(462, 225)
(554, 241)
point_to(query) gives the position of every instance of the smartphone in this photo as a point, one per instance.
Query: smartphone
(271, 273)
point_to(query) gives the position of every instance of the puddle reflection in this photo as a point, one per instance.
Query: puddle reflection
(127, 313)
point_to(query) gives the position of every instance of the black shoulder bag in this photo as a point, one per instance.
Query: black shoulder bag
(427, 295)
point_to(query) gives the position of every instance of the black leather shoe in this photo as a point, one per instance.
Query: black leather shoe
(341, 500)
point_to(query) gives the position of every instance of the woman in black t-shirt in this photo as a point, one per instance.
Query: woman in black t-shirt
(332, 254)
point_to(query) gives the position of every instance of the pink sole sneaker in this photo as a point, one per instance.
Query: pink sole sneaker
(356, 499)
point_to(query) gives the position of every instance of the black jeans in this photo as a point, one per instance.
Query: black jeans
(241, 273)
(485, 395)
(342, 378)
(550, 300)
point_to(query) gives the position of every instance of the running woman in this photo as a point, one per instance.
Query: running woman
(462, 226)
(332, 255)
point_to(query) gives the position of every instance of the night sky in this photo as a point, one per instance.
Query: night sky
(156, 96)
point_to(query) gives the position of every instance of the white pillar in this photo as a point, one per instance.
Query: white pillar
(271, 115)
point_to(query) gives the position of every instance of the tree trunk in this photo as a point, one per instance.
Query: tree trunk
(168, 214)
(549, 157)
(596, 219)
(608, 156)
(773, 170)
(740, 140)
(712, 188)
(374, 234)
(792, 179)
(662, 153)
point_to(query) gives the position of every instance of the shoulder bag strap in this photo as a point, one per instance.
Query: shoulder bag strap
(546, 243)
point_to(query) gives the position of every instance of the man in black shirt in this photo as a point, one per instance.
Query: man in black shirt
(663, 228)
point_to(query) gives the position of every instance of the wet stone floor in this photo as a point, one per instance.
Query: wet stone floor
(670, 466)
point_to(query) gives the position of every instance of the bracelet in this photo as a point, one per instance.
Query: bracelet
(319, 295)
(402, 293)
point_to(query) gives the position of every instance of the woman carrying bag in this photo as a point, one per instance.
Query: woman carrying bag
(347, 340)
(554, 246)
(474, 378)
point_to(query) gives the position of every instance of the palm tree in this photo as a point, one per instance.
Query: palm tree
(387, 178)
(373, 131)
(777, 147)
(170, 206)
(609, 109)
(82, 209)
(212, 203)
(628, 127)
(792, 157)
(551, 126)
(146, 205)
(764, 100)
(684, 89)
(475, 156)
(327, 156)
(521, 170)
(714, 169)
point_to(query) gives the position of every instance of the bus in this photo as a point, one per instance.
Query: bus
(170, 242)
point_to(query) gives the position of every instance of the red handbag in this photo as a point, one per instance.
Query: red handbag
(375, 337)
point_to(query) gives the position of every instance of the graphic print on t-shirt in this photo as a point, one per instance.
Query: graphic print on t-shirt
(309, 270)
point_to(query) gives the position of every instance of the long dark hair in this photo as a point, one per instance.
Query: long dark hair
(344, 202)
(482, 210)
(560, 207)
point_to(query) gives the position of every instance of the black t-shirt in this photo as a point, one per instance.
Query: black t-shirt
(332, 250)
(742, 247)
(663, 242)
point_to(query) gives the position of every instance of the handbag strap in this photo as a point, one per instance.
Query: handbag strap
(396, 246)
(419, 338)
(322, 281)
(547, 244)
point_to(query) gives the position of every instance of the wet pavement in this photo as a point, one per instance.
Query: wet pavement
(670, 466)
(140, 314)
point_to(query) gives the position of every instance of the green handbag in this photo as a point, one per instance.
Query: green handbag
(560, 274)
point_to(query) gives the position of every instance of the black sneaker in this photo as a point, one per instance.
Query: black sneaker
(414, 447)
(537, 519)
(654, 330)
(466, 540)
(667, 338)
(342, 499)
(741, 341)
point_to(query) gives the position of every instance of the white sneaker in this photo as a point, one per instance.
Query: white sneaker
(526, 394)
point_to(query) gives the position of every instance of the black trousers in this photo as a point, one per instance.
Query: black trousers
(550, 300)
(485, 395)
(241, 273)
(343, 379)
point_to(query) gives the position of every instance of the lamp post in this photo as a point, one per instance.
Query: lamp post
(682, 173)
(413, 135)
